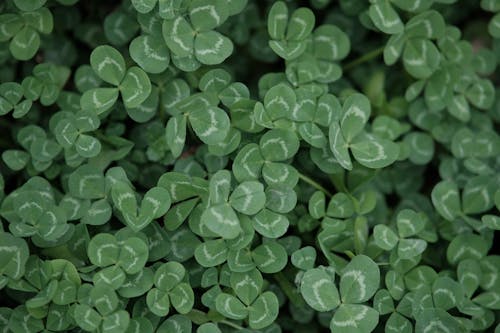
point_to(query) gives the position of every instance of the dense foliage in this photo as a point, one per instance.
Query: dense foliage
(249, 165)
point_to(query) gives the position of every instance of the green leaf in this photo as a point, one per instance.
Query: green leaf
(288, 50)
(103, 250)
(270, 257)
(304, 258)
(208, 328)
(429, 24)
(431, 318)
(27, 5)
(301, 24)
(339, 146)
(411, 247)
(489, 299)
(374, 152)
(481, 94)
(279, 145)
(86, 183)
(359, 280)
(98, 213)
(248, 197)
(469, 275)
(331, 43)
(99, 100)
(215, 81)
(354, 318)
(210, 124)
(176, 323)
(182, 298)
(108, 64)
(270, 224)
(124, 198)
(133, 255)
(168, 275)
(341, 206)
(494, 26)
(312, 134)
(383, 302)
(317, 205)
(13, 256)
(398, 324)
(356, 112)
(135, 87)
(207, 16)
(158, 302)
(491, 221)
(319, 290)
(421, 147)
(385, 17)
(40, 19)
(10, 24)
(25, 44)
(116, 322)
(280, 199)
(446, 199)
(230, 307)
(113, 276)
(179, 36)
(211, 253)
(477, 195)
(247, 286)
(155, 203)
(15, 159)
(86, 317)
(212, 48)
(410, 223)
(283, 174)
(150, 53)
(220, 187)
(104, 299)
(384, 237)
(280, 101)
(175, 134)
(222, 220)
(277, 20)
(264, 311)
(421, 58)
(466, 246)
(447, 293)
(144, 6)
(87, 146)
(248, 163)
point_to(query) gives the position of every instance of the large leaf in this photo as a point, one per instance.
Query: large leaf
(359, 280)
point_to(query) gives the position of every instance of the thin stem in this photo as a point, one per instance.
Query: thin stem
(289, 290)
(364, 58)
(233, 325)
(314, 184)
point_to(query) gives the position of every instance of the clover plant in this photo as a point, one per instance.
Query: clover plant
(220, 166)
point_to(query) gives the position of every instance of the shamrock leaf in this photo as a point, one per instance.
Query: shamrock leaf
(359, 280)
(319, 290)
(349, 317)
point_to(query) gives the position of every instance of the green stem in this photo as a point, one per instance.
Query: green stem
(233, 325)
(289, 290)
(314, 184)
(364, 58)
